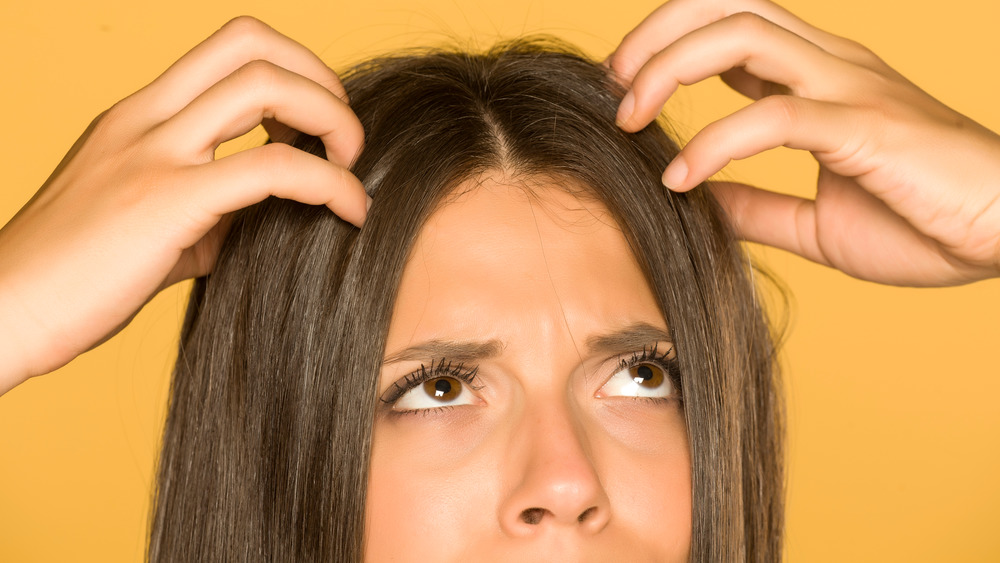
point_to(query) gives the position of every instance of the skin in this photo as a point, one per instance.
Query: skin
(542, 272)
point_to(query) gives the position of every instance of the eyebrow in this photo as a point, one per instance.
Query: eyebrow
(451, 349)
(627, 339)
(633, 337)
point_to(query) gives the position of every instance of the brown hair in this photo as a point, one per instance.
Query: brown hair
(266, 446)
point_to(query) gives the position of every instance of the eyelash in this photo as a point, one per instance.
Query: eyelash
(424, 373)
(671, 366)
(468, 376)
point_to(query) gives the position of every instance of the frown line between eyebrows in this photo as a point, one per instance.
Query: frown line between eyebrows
(633, 337)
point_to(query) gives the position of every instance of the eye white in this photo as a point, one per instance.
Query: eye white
(435, 392)
(645, 379)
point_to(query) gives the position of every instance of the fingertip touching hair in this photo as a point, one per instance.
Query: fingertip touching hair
(267, 441)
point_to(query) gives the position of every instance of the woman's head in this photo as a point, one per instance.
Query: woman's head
(508, 427)
(518, 234)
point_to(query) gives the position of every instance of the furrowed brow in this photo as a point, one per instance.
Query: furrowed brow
(633, 337)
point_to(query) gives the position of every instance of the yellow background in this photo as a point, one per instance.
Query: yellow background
(892, 393)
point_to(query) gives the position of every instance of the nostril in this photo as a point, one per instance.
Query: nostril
(532, 515)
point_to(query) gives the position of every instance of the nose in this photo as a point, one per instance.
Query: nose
(555, 482)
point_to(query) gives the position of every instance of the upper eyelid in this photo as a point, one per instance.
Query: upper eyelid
(653, 349)
(650, 352)
(630, 359)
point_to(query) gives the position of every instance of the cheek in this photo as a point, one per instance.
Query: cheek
(425, 502)
(647, 477)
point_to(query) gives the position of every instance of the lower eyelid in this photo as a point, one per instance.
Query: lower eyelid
(422, 412)
(654, 399)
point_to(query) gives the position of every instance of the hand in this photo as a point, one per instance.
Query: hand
(139, 202)
(908, 190)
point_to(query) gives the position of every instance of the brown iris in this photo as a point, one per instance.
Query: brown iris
(443, 389)
(649, 376)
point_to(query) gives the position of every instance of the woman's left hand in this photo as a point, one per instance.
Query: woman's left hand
(908, 190)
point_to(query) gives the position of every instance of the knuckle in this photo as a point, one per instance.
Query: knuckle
(258, 75)
(259, 67)
(107, 123)
(861, 52)
(277, 158)
(245, 26)
(854, 46)
(120, 121)
(751, 23)
(115, 112)
(117, 135)
(781, 108)
(629, 39)
(246, 35)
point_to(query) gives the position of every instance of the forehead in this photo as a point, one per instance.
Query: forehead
(504, 260)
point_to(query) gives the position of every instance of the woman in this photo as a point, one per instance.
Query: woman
(533, 370)
(946, 261)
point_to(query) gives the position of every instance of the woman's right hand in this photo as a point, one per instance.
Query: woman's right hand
(140, 203)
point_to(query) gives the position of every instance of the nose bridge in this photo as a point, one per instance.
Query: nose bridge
(553, 479)
(556, 436)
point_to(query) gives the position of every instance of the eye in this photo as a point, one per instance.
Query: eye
(643, 379)
(433, 393)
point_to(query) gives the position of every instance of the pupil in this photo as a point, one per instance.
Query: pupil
(441, 387)
(645, 372)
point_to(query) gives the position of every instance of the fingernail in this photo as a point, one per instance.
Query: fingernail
(625, 109)
(368, 203)
(675, 174)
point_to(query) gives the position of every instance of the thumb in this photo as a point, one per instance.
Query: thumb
(774, 219)
(199, 260)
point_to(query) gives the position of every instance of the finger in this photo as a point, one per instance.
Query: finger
(744, 40)
(259, 90)
(778, 220)
(277, 169)
(676, 18)
(825, 128)
(238, 42)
